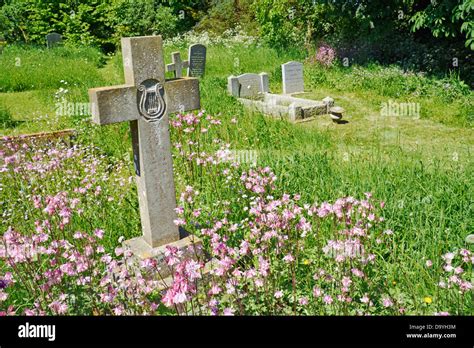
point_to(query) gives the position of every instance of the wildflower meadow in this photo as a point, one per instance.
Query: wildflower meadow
(272, 253)
(371, 215)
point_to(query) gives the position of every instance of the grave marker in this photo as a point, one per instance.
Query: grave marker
(292, 77)
(197, 60)
(53, 39)
(145, 101)
(248, 85)
(178, 65)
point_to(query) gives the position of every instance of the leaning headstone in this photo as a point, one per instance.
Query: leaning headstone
(248, 85)
(233, 86)
(3, 43)
(146, 101)
(197, 60)
(53, 39)
(178, 65)
(292, 76)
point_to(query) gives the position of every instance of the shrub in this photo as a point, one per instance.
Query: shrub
(325, 56)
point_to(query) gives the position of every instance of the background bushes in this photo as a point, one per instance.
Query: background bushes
(420, 35)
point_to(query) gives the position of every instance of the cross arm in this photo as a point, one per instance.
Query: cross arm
(182, 94)
(113, 104)
(119, 103)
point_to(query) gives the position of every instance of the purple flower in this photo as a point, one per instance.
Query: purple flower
(325, 55)
(3, 283)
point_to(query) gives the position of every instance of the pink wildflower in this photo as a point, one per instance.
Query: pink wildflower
(228, 311)
(303, 301)
(328, 299)
(288, 258)
(317, 292)
(99, 233)
(387, 302)
(278, 294)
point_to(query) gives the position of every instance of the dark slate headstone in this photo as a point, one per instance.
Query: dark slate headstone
(53, 39)
(197, 60)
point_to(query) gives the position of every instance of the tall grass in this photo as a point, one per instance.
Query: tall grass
(437, 95)
(26, 68)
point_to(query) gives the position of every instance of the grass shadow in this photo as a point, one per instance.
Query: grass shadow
(6, 120)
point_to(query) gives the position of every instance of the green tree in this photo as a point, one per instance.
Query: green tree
(96, 22)
(30, 20)
(448, 18)
(142, 17)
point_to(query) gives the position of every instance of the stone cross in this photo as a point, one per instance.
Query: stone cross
(145, 100)
(178, 65)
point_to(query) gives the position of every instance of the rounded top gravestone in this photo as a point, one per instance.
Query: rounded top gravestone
(197, 60)
(292, 77)
(53, 39)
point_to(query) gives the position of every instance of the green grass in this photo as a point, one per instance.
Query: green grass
(25, 68)
(449, 100)
(422, 168)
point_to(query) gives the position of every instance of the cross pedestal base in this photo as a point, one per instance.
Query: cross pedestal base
(191, 247)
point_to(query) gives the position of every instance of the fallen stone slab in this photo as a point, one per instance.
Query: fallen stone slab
(286, 106)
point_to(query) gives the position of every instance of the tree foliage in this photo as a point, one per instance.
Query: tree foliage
(286, 22)
(282, 23)
(95, 22)
(447, 18)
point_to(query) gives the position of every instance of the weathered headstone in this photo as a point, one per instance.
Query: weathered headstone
(178, 65)
(197, 60)
(53, 39)
(145, 101)
(292, 76)
(248, 85)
